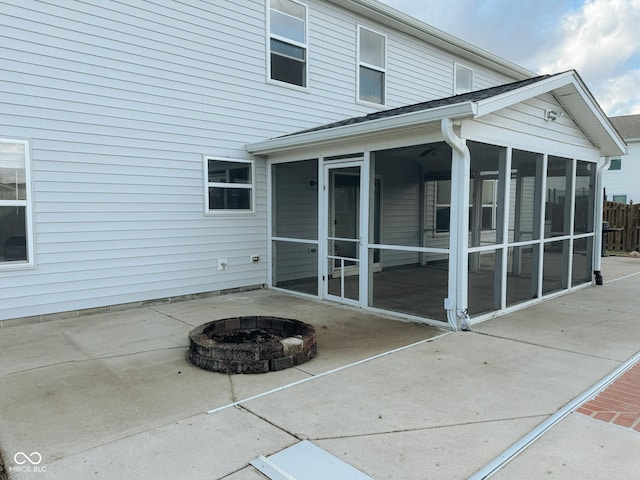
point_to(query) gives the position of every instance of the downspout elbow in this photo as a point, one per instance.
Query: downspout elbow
(455, 142)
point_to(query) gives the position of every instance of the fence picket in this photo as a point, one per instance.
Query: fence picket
(626, 218)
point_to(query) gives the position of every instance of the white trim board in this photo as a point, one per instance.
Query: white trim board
(306, 461)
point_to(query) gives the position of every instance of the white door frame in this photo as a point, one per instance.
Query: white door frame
(325, 233)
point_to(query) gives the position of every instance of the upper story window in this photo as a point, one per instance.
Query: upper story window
(616, 164)
(463, 79)
(288, 42)
(229, 185)
(372, 66)
(15, 208)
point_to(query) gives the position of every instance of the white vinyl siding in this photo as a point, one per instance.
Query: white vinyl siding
(530, 132)
(120, 101)
(626, 180)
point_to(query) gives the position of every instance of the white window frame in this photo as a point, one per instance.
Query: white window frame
(295, 43)
(626, 198)
(457, 66)
(360, 64)
(615, 169)
(28, 204)
(249, 186)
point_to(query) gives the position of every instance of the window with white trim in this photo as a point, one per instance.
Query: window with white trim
(443, 205)
(463, 81)
(619, 198)
(288, 42)
(15, 208)
(615, 164)
(372, 66)
(230, 185)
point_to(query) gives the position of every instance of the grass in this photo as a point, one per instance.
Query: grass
(617, 253)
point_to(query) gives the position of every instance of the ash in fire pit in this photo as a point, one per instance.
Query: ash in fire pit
(244, 336)
(255, 344)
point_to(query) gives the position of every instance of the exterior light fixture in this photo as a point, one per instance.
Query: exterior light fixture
(552, 115)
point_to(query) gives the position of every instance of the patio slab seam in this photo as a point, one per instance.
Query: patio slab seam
(297, 436)
(172, 317)
(326, 373)
(541, 416)
(622, 277)
(92, 359)
(550, 347)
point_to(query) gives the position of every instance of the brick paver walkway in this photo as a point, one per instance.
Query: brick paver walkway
(619, 403)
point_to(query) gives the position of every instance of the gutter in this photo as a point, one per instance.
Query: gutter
(364, 127)
(458, 312)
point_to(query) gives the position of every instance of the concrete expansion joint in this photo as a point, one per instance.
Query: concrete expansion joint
(432, 427)
(533, 344)
(123, 437)
(297, 436)
(93, 359)
(172, 317)
(234, 398)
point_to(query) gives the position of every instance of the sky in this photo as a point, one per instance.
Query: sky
(598, 38)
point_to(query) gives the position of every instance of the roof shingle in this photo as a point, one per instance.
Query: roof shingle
(628, 126)
(474, 96)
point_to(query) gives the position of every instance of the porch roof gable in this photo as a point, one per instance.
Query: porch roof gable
(567, 87)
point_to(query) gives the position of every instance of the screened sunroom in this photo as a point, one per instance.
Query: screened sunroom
(448, 212)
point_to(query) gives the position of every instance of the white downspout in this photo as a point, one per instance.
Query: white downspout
(597, 244)
(457, 303)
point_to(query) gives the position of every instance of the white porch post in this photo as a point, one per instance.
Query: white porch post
(366, 200)
(459, 228)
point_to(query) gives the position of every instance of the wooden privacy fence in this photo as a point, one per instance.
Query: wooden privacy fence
(623, 221)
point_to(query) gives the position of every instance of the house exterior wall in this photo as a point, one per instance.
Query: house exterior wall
(625, 181)
(529, 131)
(121, 101)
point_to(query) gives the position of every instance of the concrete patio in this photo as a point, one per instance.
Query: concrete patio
(112, 395)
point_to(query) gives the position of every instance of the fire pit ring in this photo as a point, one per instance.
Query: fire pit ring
(253, 344)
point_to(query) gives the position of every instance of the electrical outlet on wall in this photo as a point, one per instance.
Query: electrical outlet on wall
(222, 263)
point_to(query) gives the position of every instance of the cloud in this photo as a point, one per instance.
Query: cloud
(597, 40)
(620, 95)
(514, 30)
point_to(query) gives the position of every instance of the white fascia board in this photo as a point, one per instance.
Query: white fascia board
(397, 20)
(602, 118)
(498, 102)
(368, 127)
(567, 79)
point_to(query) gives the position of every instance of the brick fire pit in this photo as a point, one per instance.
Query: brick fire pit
(255, 344)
